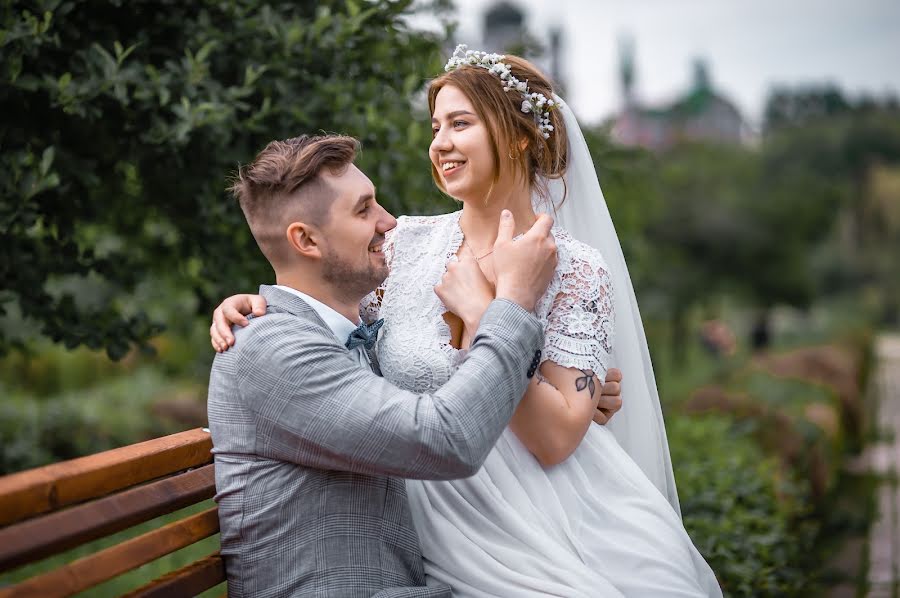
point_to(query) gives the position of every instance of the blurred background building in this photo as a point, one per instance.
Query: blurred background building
(701, 113)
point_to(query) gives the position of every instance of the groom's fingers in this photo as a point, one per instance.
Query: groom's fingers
(507, 227)
(541, 226)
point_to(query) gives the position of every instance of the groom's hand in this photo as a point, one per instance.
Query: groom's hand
(611, 397)
(524, 267)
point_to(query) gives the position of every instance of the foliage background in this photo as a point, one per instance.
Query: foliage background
(123, 122)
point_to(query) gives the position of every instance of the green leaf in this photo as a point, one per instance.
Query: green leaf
(205, 50)
(47, 160)
(121, 54)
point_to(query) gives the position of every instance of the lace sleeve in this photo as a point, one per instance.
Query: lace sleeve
(581, 323)
(370, 306)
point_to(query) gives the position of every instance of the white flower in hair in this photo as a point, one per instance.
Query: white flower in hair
(535, 103)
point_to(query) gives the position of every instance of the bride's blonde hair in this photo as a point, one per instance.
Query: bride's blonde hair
(508, 127)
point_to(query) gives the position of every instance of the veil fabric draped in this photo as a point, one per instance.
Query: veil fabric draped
(638, 426)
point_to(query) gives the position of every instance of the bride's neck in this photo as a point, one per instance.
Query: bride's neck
(479, 220)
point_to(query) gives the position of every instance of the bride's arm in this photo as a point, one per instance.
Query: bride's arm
(556, 412)
(233, 311)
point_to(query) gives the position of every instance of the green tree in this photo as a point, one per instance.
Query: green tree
(801, 105)
(123, 121)
(833, 160)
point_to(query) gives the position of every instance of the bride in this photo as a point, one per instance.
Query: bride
(561, 507)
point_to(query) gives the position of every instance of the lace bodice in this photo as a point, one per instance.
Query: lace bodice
(414, 349)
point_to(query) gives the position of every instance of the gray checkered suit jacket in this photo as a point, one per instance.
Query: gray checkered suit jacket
(311, 449)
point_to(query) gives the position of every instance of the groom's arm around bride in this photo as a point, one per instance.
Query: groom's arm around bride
(307, 441)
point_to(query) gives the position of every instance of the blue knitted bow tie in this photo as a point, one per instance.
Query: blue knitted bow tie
(365, 334)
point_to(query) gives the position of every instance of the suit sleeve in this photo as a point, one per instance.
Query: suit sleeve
(314, 406)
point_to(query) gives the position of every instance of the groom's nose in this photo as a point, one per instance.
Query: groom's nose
(386, 222)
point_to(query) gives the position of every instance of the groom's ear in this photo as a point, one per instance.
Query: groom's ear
(303, 239)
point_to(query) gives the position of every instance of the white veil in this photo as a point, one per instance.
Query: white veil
(638, 426)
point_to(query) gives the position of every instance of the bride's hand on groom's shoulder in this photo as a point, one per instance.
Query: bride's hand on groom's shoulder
(610, 398)
(465, 291)
(231, 311)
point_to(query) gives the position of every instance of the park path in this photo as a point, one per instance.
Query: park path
(884, 458)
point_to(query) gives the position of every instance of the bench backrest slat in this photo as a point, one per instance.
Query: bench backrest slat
(92, 570)
(37, 491)
(50, 534)
(190, 580)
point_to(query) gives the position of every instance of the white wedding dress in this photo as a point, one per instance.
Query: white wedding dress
(594, 525)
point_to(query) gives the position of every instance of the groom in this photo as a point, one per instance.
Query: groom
(310, 444)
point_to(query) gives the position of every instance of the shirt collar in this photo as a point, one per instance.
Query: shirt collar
(339, 324)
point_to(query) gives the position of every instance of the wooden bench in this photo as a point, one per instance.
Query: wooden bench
(49, 510)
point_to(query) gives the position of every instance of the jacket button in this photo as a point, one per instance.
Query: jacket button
(534, 364)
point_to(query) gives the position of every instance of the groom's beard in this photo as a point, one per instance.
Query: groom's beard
(353, 281)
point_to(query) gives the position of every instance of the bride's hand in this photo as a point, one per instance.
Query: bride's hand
(232, 311)
(465, 291)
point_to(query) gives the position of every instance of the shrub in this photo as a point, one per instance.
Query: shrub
(38, 431)
(746, 515)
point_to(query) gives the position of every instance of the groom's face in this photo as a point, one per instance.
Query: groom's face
(352, 255)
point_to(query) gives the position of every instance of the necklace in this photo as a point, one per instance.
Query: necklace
(469, 247)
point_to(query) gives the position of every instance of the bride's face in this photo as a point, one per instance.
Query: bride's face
(461, 148)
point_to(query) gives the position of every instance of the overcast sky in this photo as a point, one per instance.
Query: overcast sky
(749, 45)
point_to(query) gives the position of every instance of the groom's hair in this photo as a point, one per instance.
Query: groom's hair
(282, 185)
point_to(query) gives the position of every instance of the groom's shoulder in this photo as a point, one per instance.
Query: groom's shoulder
(273, 331)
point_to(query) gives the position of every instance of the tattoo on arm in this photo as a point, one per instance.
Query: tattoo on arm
(586, 381)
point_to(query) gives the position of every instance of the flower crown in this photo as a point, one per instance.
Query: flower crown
(534, 103)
